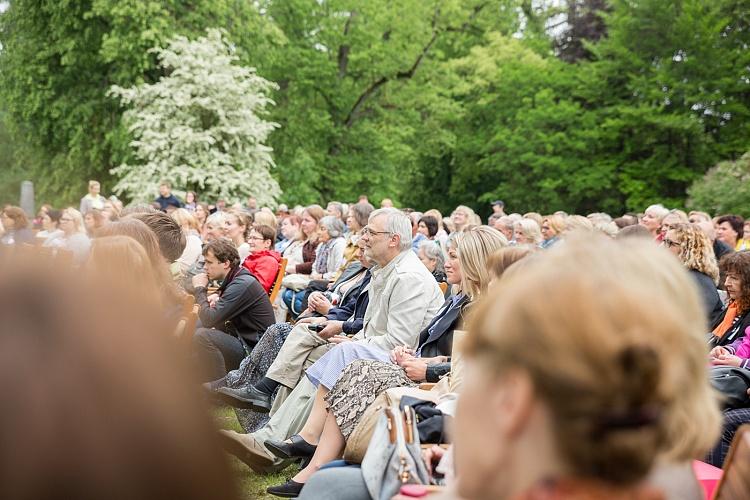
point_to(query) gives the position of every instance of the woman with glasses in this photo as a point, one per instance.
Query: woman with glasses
(263, 261)
(736, 316)
(74, 235)
(671, 220)
(694, 250)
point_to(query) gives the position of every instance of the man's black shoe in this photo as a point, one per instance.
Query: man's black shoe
(295, 448)
(248, 397)
(290, 489)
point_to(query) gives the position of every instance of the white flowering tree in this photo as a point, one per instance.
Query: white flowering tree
(200, 127)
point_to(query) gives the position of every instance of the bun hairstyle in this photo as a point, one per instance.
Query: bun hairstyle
(613, 345)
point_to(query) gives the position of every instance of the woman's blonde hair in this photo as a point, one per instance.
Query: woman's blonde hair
(434, 212)
(555, 222)
(615, 352)
(697, 251)
(474, 246)
(530, 229)
(185, 218)
(76, 218)
(266, 217)
(578, 223)
(243, 219)
(535, 216)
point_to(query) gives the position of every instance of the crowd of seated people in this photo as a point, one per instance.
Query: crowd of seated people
(360, 312)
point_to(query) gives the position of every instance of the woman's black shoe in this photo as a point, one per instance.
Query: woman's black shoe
(298, 448)
(290, 489)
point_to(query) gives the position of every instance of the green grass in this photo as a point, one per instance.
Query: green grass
(252, 485)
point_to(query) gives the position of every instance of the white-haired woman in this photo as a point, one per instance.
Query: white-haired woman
(652, 220)
(433, 259)
(329, 255)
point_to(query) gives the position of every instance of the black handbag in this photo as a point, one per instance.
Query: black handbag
(732, 382)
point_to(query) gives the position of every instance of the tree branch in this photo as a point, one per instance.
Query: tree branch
(344, 47)
(401, 75)
(406, 74)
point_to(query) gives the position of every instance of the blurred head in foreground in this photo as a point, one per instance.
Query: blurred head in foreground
(591, 376)
(96, 403)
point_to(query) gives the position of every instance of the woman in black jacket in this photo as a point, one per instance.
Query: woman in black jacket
(736, 316)
(693, 248)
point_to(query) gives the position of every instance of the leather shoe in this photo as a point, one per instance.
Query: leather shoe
(250, 452)
(248, 397)
(290, 489)
(294, 447)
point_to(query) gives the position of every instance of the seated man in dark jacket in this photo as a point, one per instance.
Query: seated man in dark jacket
(347, 318)
(237, 319)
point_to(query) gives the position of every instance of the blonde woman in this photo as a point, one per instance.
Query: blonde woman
(366, 371)
(695, 251)
(74, 239)
(266, 217)
(552, 227)
(527, 232)
(580, 396)
(189, 225)
(237, 226)
(652, 220)
(461, 217)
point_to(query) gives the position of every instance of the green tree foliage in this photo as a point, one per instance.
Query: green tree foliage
(725, 189)
(430, 103)
(60, 57)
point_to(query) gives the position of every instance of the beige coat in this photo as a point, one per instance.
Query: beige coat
(404, 297)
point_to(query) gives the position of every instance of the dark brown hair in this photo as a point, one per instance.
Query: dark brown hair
(430, 223)
(266, 231)
(168, 233)
(737, 223)
(739, 263)
(224, 251)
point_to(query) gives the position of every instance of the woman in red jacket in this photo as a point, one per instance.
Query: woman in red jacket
(263, 263)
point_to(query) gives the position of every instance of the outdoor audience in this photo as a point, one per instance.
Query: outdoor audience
(543, 393)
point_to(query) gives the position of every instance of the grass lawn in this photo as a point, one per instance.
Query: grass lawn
(252, 485)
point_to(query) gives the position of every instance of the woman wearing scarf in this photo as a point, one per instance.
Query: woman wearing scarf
(736, 318)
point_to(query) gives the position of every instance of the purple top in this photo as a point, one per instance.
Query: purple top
(741, 348)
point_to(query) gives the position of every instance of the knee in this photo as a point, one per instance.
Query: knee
(202, 337)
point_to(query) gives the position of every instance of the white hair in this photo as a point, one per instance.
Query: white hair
(433, 252)
(396, 222)
(217, 218)
(658, 211)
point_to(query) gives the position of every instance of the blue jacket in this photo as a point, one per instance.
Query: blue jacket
(352, 310)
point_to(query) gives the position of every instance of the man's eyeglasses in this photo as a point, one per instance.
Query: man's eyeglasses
(669, 243)
(369, 232)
